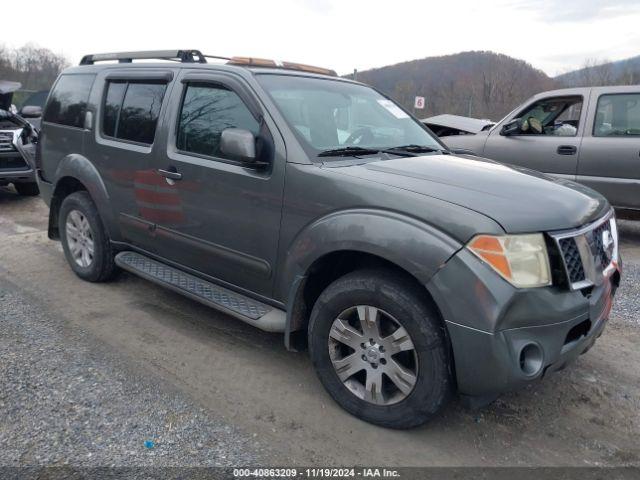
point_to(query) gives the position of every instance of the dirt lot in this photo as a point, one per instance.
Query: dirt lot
(589, 414)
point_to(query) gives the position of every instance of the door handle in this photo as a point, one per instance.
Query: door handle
(171, 174)
(567, 150)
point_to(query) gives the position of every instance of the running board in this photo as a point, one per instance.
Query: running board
(253, 312)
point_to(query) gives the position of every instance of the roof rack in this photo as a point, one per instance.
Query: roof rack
(196, 56)
(183, 56)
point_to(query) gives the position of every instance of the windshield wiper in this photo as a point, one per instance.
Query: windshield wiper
(348, 152)
(413, 149)
(353, 151)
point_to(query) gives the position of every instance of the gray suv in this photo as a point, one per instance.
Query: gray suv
(311, 205)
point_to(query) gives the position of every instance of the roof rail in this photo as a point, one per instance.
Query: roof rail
(183, 56)
(196, 56)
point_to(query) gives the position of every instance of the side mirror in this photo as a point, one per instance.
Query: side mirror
(239, 144)
(511, 127)
(31, 111)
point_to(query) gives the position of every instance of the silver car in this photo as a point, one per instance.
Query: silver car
(590, 135)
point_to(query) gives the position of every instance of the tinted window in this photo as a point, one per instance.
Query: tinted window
(111, 109)
(206, 112)
(131, 110)
(618, 115)
(68, 102)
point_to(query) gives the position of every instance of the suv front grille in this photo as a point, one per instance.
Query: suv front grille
(6, 142)
(588, 252)
(572, 260)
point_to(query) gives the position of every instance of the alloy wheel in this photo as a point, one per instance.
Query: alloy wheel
(373, 355)
(79, 238)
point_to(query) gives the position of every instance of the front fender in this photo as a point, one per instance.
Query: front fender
(81, 169)
(413, 245)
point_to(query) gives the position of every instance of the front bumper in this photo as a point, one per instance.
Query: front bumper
(16, 158)
(504, 338)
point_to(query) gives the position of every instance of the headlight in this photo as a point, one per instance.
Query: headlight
(522, 260)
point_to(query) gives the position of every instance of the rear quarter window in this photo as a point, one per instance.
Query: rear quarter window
(68, 101)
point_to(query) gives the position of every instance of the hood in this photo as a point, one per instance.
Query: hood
(520, 200)
(457, 122)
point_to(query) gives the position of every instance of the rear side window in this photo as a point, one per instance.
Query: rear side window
(68, 102)
(207, 110)
(618, 115)
(111, 107)
(131, 109)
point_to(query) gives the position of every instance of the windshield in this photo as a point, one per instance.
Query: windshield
(328, 115)
(37, 99)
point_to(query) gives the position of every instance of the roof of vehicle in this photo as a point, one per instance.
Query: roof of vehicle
(467, 124)
(562, 92)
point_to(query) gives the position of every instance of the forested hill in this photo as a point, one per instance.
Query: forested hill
(484, 84)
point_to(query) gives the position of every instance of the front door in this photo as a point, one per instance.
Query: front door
(610, 152)
(548, 139)
(222, 216)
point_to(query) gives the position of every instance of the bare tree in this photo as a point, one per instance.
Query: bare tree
(35, 67)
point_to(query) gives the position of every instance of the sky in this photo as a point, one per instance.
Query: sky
(553, 35)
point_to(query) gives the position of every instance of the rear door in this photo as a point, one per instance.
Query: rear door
(63, 130)
(131, 101)
(610, 153)
(221, 217)
(553, 149)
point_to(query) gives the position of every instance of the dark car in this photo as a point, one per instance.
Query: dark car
(312, 205)
(18, 138)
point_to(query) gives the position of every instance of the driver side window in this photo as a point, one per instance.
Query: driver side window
(559, 116)
(207, 110)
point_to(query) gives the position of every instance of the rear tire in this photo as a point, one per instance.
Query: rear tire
(358, 369)
(84, 239)
(27, 189)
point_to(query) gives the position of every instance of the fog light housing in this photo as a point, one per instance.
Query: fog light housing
(531, 359)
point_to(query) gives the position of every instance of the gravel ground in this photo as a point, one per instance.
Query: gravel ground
(627, 303)
(65, 399)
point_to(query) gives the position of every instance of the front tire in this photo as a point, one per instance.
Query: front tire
(380, 349)
(84, 239)
(27, 189)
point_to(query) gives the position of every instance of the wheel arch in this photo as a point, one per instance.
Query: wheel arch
(76, 173)
(356, 239)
